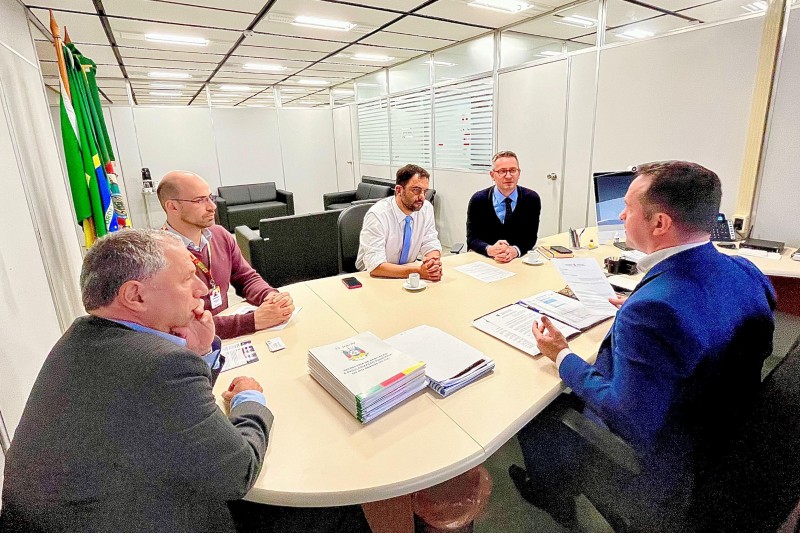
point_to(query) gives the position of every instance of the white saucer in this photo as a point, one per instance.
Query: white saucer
(408, 287)
(535, 262)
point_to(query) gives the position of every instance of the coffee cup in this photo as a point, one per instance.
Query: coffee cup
(413, 281)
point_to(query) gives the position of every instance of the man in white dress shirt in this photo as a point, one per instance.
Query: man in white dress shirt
(398, 229)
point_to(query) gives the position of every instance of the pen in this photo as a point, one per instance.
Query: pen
(581, 233)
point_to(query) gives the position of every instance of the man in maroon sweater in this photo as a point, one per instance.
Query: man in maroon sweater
(190, 208)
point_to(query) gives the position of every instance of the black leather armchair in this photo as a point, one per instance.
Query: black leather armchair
(349, 228)
(280, 258)
(364, 193)
(245, 205)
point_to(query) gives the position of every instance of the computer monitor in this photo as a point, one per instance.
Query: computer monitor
(609, 196)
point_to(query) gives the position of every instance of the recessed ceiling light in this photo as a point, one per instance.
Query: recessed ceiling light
(175, 39)
(504, 6)
(165, 93)
(372, 57)
(635, 34)
(549, 53)
(326, 24)
(440, 63)
(755, 7)
(265, 67)
(577, 20)
(167, 85)
(235, 87)
(167, 75)
(313, 82)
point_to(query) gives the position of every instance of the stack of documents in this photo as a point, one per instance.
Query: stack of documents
(513, 325)
(366, 375)
(450, 363)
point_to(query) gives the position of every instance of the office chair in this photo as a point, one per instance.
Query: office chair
(349, 225)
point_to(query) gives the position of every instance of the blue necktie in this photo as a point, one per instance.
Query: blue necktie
(406, 241)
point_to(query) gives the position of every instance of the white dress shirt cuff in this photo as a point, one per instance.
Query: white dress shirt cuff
(561, 355)
(517, 249)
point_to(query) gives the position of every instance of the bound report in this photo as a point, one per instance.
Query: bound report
(366, 375)
(565, 309)
(450, 363)
(513, 324)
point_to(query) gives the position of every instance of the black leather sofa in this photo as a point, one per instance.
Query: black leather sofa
(364, 193)
(245, 205)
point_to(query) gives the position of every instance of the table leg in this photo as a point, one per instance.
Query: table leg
(395, 515)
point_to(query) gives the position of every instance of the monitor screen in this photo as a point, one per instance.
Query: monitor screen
(609, 195)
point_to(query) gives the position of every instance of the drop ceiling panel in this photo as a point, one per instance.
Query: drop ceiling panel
(82, 28)
(301, 32)
(132, 53)
(86, 6)
(396, 53)
(221, 39)
(246, 53)
(620, 13)
(552, 25)
(98, 54)
(296, 43)
(654, 26)
(402, 40)
(179, 13)
(461, 11)
(717, 11)
(434, 28)
(50, 68)
(245, 6)
(328, 10)
(130, 41)
(404, 5)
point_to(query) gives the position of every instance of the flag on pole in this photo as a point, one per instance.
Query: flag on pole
(99, 206)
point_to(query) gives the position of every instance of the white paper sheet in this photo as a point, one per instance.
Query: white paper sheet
(484, 271)
(586, 279)
(238, 354)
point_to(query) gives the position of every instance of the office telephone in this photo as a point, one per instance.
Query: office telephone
(723, 231)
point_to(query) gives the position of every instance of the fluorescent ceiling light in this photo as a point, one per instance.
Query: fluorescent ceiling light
(326, 24)
(372, 57)
(265, 67)
(165, 93)
(235, 88)
(313, 82)
(175, 39)
(293, 90)
(440, 63)
(504, 6)
(635, 34)
(550, 53)
(577, 20)
(167, 75)
(167, 85)
(755, 7)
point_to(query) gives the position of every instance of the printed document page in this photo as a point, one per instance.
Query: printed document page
(563, 308)
(586, 279)
(484, 271)
(513, 325)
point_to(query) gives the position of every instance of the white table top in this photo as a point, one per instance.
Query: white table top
(320, 455)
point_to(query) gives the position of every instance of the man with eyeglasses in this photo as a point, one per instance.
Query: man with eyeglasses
(400, 228)
(187, 200)
(503, 220)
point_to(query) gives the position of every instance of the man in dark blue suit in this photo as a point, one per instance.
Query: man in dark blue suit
(680, 366)
(503, 220)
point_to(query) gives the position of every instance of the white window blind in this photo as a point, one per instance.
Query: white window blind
(373, 132)
(463, 124)
(411, 129)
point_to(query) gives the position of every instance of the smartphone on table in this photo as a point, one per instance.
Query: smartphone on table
(561, 251)
(351, 283)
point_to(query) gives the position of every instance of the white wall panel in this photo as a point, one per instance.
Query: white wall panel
(531, 118)
(308, 156)
(684, 96)
(343, 139)
(177, 138)
(248, 145)
(778, 208)
(454, 188)
(577, 160)
(127, 151)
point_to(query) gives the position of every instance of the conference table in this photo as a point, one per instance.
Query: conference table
(320, 455)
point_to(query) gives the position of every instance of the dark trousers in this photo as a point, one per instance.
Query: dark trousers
(256, 517)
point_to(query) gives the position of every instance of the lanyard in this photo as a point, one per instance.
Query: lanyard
(204, 269)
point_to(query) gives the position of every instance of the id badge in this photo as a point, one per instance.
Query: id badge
(216, 297)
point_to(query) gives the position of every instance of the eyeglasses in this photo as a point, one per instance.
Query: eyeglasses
(509, 171)
(210, 198)
(416, 191)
